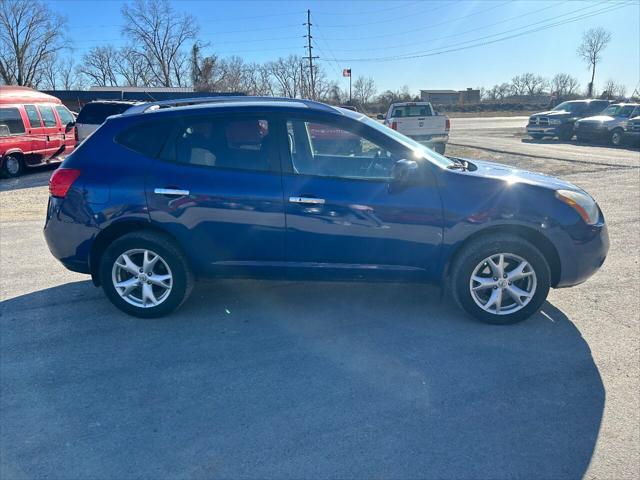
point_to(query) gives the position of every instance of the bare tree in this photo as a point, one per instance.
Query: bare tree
(287, 74)
(613, 90)
(99, 66)
(564, 85)
(499, 91)
(364, 90)
(518, 85)
(30, 33)
(161, 34)
(131, 66)
(594, 41)
(534, 84)
(58, 73)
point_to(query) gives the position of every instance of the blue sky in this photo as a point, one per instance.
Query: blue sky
(367, 35)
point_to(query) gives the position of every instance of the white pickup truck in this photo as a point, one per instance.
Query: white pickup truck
(419, 121)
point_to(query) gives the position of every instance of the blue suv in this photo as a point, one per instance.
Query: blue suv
(269, 188)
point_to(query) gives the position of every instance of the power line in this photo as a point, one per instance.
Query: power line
(387, 20)
(423, 27)
(457, 34)
(544, 27)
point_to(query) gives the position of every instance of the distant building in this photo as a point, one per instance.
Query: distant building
(450, 97)
(75, 99)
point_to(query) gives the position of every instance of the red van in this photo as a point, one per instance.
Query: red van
(35, 129)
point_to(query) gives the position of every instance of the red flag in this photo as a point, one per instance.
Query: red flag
(346, 72)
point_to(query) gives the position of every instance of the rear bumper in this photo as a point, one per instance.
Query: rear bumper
(69, 241)
(430, 138)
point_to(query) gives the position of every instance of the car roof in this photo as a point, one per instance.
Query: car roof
(245, 103)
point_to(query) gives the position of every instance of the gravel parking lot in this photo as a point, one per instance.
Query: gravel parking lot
(316, 380)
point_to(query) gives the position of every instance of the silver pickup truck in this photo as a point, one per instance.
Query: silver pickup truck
(419, 121)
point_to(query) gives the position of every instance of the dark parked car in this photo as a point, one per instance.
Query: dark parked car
(158, 197)
(94, 113)
(632, 131)
(559, 121)
(609, 125)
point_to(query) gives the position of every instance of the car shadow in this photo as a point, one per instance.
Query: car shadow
(292, 380)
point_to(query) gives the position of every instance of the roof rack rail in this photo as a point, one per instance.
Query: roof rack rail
(153, 106)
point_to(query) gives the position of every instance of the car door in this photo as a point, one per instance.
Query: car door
(36, 134)
(343, 211)
(52, 130)
(217, 188)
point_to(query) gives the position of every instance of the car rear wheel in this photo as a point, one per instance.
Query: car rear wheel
(12, 166)
(440, 148)
(500, 279)
(144, 274)
(615, 138)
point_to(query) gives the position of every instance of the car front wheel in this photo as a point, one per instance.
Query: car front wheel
(500, 279)
(11, 167)
(145, 275)
(615, 138)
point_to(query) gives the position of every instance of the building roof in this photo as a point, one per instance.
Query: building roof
(142, 89)
(438, 91)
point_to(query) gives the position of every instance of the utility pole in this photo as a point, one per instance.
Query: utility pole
(310, 55)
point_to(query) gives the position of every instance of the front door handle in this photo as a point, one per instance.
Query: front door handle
(172, 192)
(312, 200)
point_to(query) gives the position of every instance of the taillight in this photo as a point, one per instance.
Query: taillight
(447, 124)
(394, 125)
(61, 181)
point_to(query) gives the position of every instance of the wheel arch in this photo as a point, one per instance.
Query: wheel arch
(539, 240)
(114, 231)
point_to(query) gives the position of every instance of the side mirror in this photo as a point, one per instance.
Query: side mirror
(405, 172)
(69, 126)
(380, 116)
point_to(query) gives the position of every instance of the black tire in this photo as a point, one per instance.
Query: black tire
(616, 137)
(473, 255)
(536, 136)
(12, 166)
(182, 277)
(440, 148)
(566, 134)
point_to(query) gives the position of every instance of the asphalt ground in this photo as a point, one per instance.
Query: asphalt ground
(325, 380)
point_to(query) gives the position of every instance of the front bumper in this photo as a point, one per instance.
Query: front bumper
(632, 137)
(550, 131)
(582, 250)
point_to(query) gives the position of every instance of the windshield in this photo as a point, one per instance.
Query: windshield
(418, 148)
(618, 110)
(573, 107)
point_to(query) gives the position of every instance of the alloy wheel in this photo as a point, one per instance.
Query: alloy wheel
(12, 165)
(503, 283)
(142, 278)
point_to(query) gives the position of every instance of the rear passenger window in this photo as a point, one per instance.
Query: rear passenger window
(32, 114)
(96, 113)
(47, 115)
(11, 120)
(241, 144)
(146, 138)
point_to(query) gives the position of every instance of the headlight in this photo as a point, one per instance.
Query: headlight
(581, 203)
(555, 122)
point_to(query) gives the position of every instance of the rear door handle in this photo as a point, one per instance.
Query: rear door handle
(173, 192)
(312, 200)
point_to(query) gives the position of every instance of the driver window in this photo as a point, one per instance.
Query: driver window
(326, 150)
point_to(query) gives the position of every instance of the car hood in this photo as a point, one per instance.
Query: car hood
(598, 118)
(515, 175)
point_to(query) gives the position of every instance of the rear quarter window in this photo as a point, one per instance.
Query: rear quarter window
(12, 121)
(145, 138)
(97, 113)
(64, 114)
